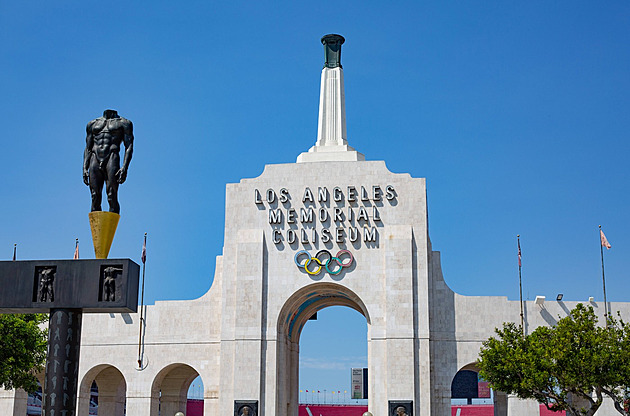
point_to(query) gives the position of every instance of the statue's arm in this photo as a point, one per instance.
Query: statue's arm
(89, 144)
(128, 140)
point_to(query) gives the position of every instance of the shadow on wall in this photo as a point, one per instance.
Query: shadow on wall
(443, 346)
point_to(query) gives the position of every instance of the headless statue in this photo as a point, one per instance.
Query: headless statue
(101, 159)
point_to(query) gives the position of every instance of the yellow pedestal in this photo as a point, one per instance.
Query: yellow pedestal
(103, 225)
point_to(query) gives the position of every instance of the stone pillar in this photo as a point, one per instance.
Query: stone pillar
(13, 402)
(138, 405)
(500, 403)
(294, 393)
(399, 313)
(519, 407)
(62, 363)
(7, 398)
(83, 399)
(113, 405)
(331, 126)
(273, 380)
(210, 406)
(243, 313)
(332, 142)
(440, 402)
(171, 404)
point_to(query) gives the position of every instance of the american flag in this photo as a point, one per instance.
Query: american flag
(605, 242)
(144, 250)
(519, 252)
(76, 250)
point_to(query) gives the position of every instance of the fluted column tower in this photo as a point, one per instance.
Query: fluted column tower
(332, 142)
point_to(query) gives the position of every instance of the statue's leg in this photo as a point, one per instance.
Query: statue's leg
(112, 184)
(96, 184)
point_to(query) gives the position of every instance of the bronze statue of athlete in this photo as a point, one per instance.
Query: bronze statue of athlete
(101, 160)
(46, 290)
(109, 283)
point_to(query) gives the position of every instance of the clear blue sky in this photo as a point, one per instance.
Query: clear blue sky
(517, 115)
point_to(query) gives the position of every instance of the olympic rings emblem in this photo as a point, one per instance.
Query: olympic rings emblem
(323, 260)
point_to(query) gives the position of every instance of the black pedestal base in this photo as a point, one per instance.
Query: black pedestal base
(62, 363)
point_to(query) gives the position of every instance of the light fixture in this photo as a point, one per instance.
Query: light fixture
(559, 297)
(540, 300)
(591, 299)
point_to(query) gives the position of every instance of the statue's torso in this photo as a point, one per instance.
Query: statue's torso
(107, 135)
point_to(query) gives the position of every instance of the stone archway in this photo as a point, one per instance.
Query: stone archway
(465, 384)
(293, 316)
(169, 391)
(34, 400)
(498, 399)
(112, 391)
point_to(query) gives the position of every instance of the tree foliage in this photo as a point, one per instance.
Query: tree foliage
(619, 355)
(570, 366)
(22, 350)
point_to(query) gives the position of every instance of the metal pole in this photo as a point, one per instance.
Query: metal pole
(141, 307)
(520, 283)
(601, 249)
(62, 363)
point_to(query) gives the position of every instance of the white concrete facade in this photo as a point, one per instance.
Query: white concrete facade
(242, 336)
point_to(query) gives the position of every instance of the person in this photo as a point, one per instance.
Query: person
(245, 411)
(101, 159)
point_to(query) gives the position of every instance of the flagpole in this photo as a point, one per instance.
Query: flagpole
(14, 251)
(520, 283)
(601, 250)
(144, 258)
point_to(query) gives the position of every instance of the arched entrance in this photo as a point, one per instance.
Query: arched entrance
(169, 391)
(34, 401)
(112, 391)
(294, 314)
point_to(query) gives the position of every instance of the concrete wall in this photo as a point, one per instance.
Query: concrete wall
(242, 337)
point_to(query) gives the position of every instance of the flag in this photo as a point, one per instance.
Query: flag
(307, 391)
(144, 249)
(605, 242)
(519, 252)
(14, 251)
(76, 250)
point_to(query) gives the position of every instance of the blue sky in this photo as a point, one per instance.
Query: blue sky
(517, 115)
